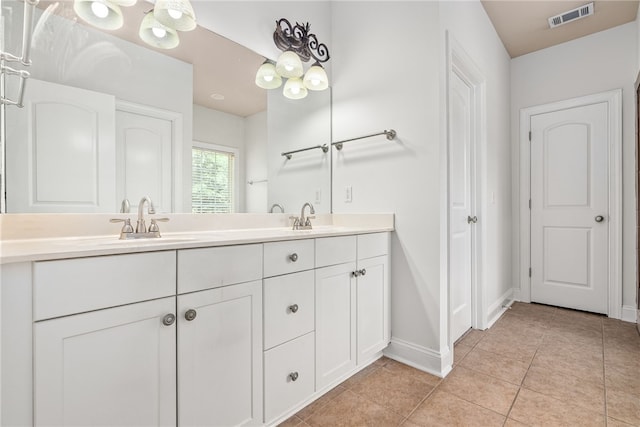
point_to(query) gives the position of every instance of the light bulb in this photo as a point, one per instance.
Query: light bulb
(268, 78)
(316, 78)
(289, 65)
(175, 14)
(99, 9)
(295, 90)
(159, 32)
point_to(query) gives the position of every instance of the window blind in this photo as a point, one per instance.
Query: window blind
(212, 181)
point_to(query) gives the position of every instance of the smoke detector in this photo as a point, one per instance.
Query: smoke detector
(571, 15)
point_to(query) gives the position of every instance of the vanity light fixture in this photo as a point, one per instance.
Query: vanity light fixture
(157, 35)
(298, 45)
(104, 14)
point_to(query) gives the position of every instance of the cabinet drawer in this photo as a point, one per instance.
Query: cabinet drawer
(288, 307)
(281, 391)
(71, 286)
(372, 245)
(335, 250)
(208, 268)
(288, 257)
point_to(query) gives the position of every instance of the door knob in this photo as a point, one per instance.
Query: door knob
(472, 219)
(599, 218)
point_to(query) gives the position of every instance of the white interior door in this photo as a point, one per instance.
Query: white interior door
(60, 151)
(569, 208)
(143, 165)
(461, 204)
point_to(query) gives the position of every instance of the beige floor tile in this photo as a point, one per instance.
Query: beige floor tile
(291, 422)
(567, 388)
(459, 352)
(576, 364)
(538, 323)
(472, 337)
(401, 368)
(355, 379)
(623, 406)
(510, 346)
(444, 409)
(481, 389)
(622, 357)
(349, 409)
(623, 378)
(400, 392)
(513, 423)
(537, 409)
(612, 422)
(533, 309)
(320, 403)
(496, 365)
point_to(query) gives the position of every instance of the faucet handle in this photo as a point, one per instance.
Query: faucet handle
(126, 227)
(153, 227)
(309, 218)
(296, 222)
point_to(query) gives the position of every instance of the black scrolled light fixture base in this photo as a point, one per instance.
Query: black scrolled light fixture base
(298, 39)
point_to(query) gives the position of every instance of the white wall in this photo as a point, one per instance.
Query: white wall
(388, 72)
(228, 130)
(255, 161)
(592, 64)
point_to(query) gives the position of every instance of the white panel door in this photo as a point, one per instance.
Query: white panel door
(143, 153)
(113, 367)
(373, 299)
(460, 205)
(60, 151)
(335, 322)
(569, 208)
(220, 356)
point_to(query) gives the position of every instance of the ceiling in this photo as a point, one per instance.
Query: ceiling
(523, 27)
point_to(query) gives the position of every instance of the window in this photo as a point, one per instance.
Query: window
(213, 178)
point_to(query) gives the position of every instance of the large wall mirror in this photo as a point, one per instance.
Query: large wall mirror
(109, 118)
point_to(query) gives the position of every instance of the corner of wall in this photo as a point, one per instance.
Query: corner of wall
(419, 357)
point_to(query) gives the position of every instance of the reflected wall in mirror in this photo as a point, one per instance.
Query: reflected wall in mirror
(107, 117)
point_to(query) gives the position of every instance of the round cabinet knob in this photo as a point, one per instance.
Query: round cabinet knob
(363, 272)
(355, 273)
(190, 314)
(293, 308)
(293, 257)
(293, 376)
(168, 319)
(599, 218)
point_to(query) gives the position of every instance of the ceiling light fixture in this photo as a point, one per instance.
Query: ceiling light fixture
(298, 45)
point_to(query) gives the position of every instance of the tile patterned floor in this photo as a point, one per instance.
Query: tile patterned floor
(537, 366)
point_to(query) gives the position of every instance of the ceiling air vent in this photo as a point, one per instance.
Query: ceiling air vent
(571, 15)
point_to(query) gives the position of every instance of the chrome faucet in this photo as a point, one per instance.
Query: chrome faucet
(304, 223)
(125, 207)
(276, 205)
(140, 225)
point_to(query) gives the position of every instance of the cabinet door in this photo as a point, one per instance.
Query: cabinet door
(220, 356)
(335, 323)
(108, 367)
(373, 306)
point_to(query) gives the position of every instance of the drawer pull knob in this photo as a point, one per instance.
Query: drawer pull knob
(293, 376)
(168, 319)
(363, 272)
(293, 308)
(293, 257)
(190, 314)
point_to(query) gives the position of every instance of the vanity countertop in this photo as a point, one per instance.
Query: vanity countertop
(50, 248)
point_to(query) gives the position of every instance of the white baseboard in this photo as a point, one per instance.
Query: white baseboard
(498, 308)
(518, 295)
(629, 313)
(420, 357)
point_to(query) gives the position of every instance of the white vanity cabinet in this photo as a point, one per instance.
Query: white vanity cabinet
(97, 361)
(220, 336)
(352, 303)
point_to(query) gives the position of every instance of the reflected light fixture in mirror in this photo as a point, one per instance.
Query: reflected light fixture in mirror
(103, 14)
(158, 28)
(298, 45)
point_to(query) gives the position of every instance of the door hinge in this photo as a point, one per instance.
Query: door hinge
(529, 271)
(529, 204)
(529, 136)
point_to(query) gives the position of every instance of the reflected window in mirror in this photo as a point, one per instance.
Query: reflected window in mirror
(214, 178)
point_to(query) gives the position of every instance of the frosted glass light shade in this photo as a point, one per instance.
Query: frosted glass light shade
(103, 14)
(294, 88)
(176, 14)
(124, 3)
(316, 78)
(267, 77)
(157, 35)
(289, 65)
